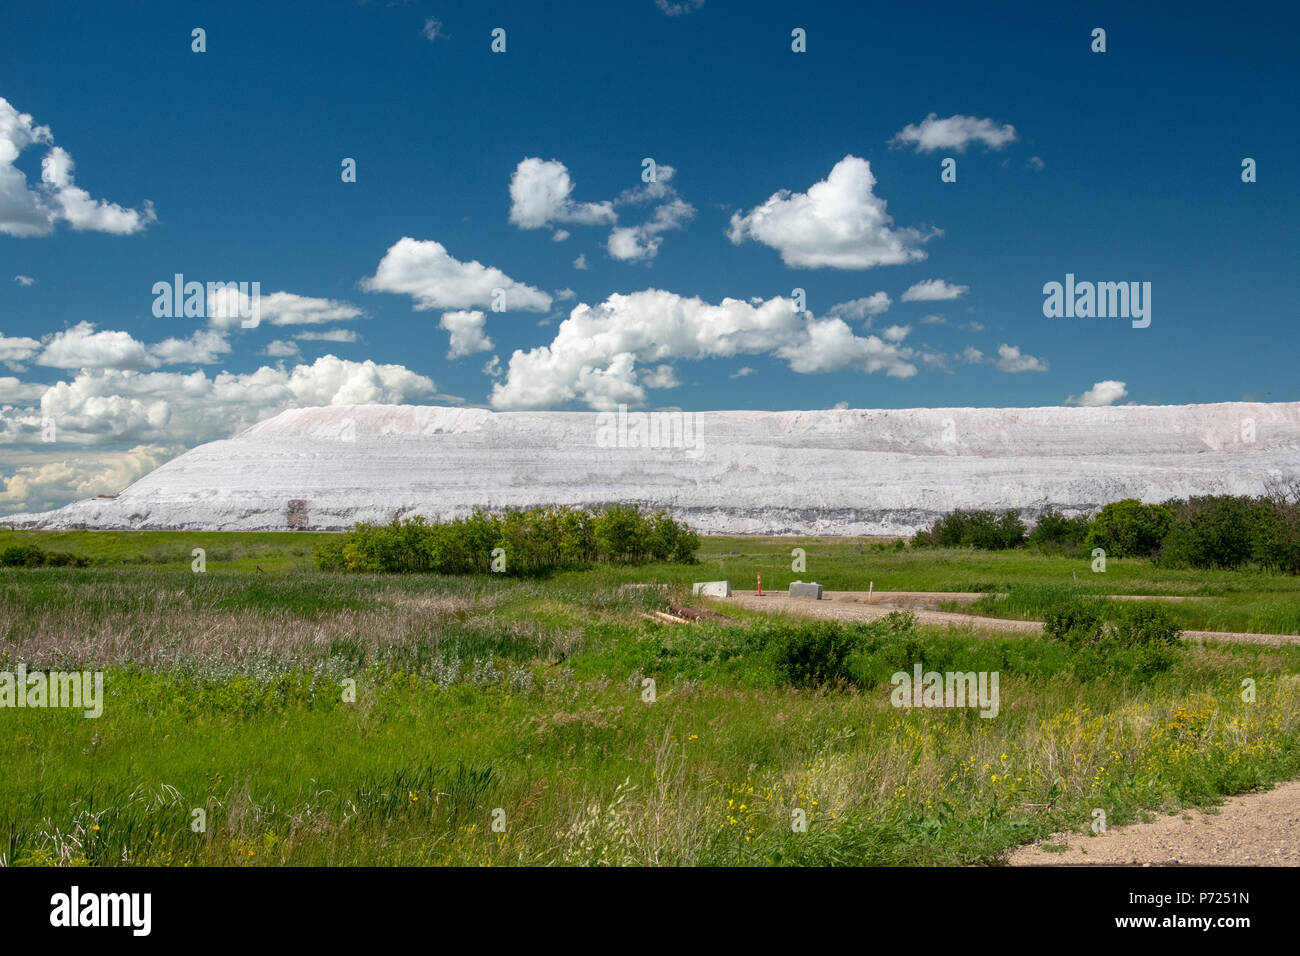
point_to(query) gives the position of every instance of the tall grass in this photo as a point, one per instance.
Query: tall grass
(583, 771)
(373, 719)
(1031, 601)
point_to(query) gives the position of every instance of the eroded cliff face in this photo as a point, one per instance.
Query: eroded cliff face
(802, 472)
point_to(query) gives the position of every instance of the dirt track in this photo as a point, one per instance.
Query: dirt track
(1255, 829)
(854, 606)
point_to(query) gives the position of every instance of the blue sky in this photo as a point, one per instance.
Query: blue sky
(225, 166)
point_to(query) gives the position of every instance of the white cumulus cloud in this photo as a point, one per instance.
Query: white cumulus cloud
(81, 347)
(540, 193)
(1010, 359)
(633, 243)
(34, 210)
(1102, 393)
(203, 347)
(282, 348)
(954, 132)
(864, 308)
(839, 222)
(934, 290)
(593, 358)
(641, 242)
(52, 482)
(329, 335)
(466, 329)
(425, 271)
(227, 305)
(14, 350)
(13, 391)
(661, 376)
(114, 406)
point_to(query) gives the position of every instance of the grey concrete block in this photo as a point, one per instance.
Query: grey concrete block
(712, 588)
(806, 589)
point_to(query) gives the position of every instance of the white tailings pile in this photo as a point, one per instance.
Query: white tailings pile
(814, 472)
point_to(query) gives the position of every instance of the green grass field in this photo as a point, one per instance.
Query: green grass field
(505, 721)
(226, 550)
(1215, 600)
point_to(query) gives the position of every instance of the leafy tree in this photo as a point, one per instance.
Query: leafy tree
(535, 540)
(1055, 532)
(1220, 531)
(1277, 541)
(618, 534)
(1129, 529)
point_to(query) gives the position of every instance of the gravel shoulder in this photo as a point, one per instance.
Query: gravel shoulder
(1254, 829)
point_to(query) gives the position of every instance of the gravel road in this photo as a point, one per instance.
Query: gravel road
(854, 606)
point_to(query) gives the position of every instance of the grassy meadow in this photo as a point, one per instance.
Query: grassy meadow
(422, 719)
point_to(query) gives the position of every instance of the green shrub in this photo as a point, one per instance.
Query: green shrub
(1141, 640)
(22, 556)
(1142, 624)
(58, 559)
(827, 653)
(1076, 622)
(1129, 529)
(987, 530)
(813, 654)
(1055, 532)
(30, 556)
(668, 540)
(1108, 661)
(924, 539)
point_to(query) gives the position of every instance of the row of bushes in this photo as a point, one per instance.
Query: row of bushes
(1141, 641)
(1213, 531)
(533, 541)
(988, 530)
(30, 556)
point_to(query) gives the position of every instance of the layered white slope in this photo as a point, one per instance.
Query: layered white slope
(812, 472)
